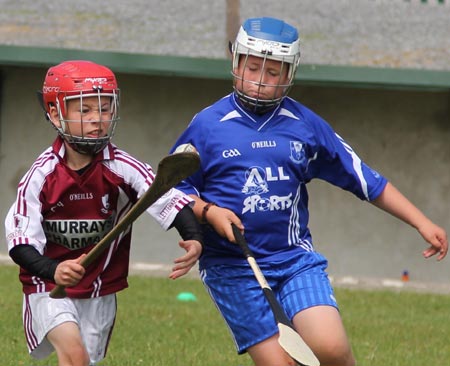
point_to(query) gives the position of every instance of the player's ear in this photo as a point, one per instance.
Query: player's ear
(52, 115)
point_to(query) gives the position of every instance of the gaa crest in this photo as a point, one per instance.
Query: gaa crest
(21, 223)
(297, 152)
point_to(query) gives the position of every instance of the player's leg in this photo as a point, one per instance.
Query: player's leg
(69, 347)
(51, 325)
(308, 297)
(322, 329)
(97, 317)
(270, 353)
(243, 306)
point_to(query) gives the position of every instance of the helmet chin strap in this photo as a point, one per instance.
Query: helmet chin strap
(82, 145)
(255, 105)
(258, 105)
(87, 147)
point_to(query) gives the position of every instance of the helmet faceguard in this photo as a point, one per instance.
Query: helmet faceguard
(269, 39)
(78, 80)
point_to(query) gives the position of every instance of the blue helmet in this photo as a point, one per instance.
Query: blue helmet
(268, 38)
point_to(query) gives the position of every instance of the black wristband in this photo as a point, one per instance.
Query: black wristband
(27, 257)
(187, 225)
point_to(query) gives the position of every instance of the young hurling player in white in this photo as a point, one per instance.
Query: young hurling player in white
(70, 198)
(259, 149)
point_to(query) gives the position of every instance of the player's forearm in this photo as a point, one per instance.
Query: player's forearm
(394, 202)
(27, 257)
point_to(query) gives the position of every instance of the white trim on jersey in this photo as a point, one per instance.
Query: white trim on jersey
(27, 205)
(294, 229)
(356, 166)
(287, 113)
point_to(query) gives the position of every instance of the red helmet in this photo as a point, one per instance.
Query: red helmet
(77, 80)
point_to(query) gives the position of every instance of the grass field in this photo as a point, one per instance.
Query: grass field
(393, 328)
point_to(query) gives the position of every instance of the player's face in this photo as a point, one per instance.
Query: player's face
(261, 79)
(88, 117)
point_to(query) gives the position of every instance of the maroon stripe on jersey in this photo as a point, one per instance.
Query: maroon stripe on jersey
(16, 241)
(123, 211)
(111, 330)
(182, 202)
(40, 285)
(141, 168)
(144, 169)
(108, 152)
(97, 286)
(25, 182)
(21, 202)
(119, 216)
(27, 325)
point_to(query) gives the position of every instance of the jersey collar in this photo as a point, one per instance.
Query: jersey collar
(107, 153)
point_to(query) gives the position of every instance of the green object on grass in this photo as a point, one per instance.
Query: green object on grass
(186, 296)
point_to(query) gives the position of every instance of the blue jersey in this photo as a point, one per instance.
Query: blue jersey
(258, 167)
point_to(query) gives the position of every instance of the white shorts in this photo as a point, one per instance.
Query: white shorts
(95, 318)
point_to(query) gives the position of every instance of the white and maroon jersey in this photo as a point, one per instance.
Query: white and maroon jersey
(64, 214)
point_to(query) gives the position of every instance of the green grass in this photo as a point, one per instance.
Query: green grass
(154, 328)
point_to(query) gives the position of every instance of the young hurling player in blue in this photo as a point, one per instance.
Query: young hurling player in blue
(259, 149)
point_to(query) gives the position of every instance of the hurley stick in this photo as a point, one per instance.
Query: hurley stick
(171, 170)
(288, 339)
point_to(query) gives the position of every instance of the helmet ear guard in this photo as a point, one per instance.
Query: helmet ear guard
(77, 80)
(270, 39)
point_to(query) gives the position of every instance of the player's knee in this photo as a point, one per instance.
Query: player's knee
(269, 352)
(336, 356)
(78, 356)
(282, 360)
(339, 360)
(82, 358)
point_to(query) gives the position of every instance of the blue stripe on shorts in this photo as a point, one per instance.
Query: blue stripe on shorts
(298, 283)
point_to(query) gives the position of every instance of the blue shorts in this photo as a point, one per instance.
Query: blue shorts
(298, 283)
